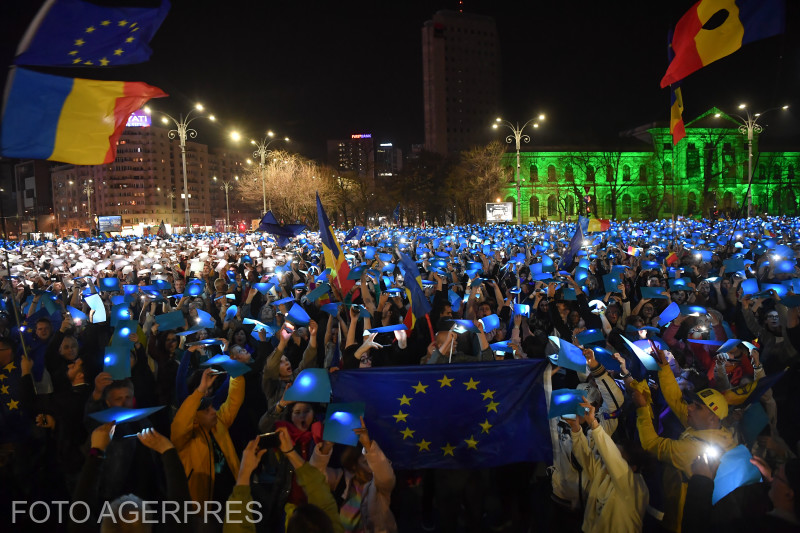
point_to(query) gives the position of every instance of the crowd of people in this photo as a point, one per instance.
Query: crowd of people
(682, 325)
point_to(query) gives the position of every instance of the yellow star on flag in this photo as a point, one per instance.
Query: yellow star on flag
(405, 400)
(122, 23)
(424, 445)
(118, 52)
(90, 29)
(73, 53)
(489, 394)
(88, 62)
(400, 416)
(486, 425)
(13, 404)
(76, 60)
(10, 366)
(408, 433)
(492, 406)
(79, 42)
(419, 387)
(129, 40)
(471, 384)
(2, 377)
(134, 29)
(471, 442)
(105, 23)
(104, 62)
(445, 381)
(4, 389)
(448, 450)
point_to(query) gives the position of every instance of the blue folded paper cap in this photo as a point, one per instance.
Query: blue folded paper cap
(669, 314)
(341, 420)
(490, 322)
(387, 329)
(298, 316)
(233, 367)
(606, 358)
(108, 284)
(123, 414)
(566, 402)
(282, 301)
(312, 385)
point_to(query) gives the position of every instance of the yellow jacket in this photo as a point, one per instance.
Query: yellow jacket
(194, 443)
(677, 455)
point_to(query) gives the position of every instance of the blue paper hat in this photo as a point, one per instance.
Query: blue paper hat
(298, 316)
(331, 308)
(119, 312)
(566, 402)
(77, 314)
(263, 288)
(230, 313)
(569, 356)
(387, 329)
(735, 470)
(95, 303)
(647, 360)
(318, 292)
(729, 345)
(502, 346)
(122, 414)
(117, 361)
(669, 314)
(161, 284)
(130, 289)
(522, 310)
(462, 326)
(653, 293)
(312, 385)
(108, 284)
(749, 286)
(171, 320)
(232, 367)
(204, 320)
(693, 310)
(590, 336)
(194, 288)
(490, 322)
(282, 301)
(606, 358)
(340, 421)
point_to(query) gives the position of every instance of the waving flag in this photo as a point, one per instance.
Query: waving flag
(412, 281)
(474, 415)
(77, 33)
(334, 256)
(574, 246)
(71, 120)
(676, 126)
(713, 29)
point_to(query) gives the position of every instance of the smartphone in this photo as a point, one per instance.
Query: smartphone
(269, 440)
(654, 349)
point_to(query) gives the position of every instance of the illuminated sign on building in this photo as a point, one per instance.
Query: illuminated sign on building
(138, 119)
(361, 136)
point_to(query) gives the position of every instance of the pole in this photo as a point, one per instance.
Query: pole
(227, 210)
(519, 202)
(185, 182)
(749, 172)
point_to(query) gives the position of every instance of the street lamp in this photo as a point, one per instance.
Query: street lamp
(87, 188)
(227, 186)
(181, 130)
(517, 135)
(262, 149)
(747, 126)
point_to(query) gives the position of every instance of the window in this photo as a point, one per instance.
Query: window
(590, 172)
(626, 173)
(644, 205)
(642, 174)
(534, 173)
(551, 173)
(552, 205)
(570, 205)
(692, 161)
(666, 168)
(534, 207)
(568, 173)
(626, 205)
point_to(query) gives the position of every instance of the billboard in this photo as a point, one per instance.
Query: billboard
(109, 223)
(138, 119)
(499, 212)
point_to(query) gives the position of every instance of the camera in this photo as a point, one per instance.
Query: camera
(269, 440)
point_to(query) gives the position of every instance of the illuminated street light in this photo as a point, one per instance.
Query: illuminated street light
(262, 149)
(517, 135)
(227, 186)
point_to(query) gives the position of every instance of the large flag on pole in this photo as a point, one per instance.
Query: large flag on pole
(71, 120)
(334, 256)
(713, 29)
(676, 126)
(412, 281)
(474, 415)
(574, 246)
(77, 33)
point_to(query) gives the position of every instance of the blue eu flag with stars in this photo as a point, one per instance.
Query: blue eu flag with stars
(74, 33)
(472, 415)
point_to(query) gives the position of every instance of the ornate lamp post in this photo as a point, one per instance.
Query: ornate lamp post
(87, 188)
(227, 186)
(181, 131)
(261, 152)
(517, 135)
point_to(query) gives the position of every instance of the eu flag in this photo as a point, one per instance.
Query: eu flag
(471, 415)
(77, 33)
(574, 246)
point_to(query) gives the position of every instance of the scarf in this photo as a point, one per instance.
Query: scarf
(302, 438)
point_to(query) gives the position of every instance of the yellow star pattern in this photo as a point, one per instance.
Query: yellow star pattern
(118, 52)
(400, 416)
(445, 381)
(104, 62)
(10, 366)
(4, 389)
(486, 425)
(2, 377)
(13, 404)
(90, 29)
(134, 29)
(79, 42)
(492, 406)
(408, 433)
(471, 442)
(448, 450)
(122, 23)
(424, 445)
(88, 63)
(105, 23)
(77, 60)
(405, 400)
(73, 53)
(419, 387)
(129, 40)
(472, 384)
(488, 394)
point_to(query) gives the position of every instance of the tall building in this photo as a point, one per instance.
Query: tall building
(706, 173)
(354, 156)
(34, 199)
(388, 161)
(461, 80)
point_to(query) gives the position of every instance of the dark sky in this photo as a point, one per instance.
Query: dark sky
(323, 70)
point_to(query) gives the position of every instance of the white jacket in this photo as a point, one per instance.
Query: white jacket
(617, 497)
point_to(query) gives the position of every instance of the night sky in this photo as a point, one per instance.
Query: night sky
(322, 70)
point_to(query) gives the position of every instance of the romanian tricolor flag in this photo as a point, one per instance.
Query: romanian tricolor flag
(71, 120)
(671, 259)
(334, 256)
(598, 224)
(676, 126)
(713, 29)
(412, 281)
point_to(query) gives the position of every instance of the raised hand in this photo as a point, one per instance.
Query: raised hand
(154, 440)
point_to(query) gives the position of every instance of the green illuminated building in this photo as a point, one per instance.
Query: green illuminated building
(707, 171)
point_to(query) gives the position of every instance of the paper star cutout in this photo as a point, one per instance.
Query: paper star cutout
(13, 404)
(419, 387)
(486, 425)
(471, 384)
(90, 29)
(400, 416)
(10, 366)
(122, 23)
(79, 42)
(4, 389)
(492, 406)
(104, 62)
(471, 442)
(448, 450)
(445, 381)
(408, 433)
(489, 394)
(424, 445)
(118, 52)
(105, 23)
(405, 400)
